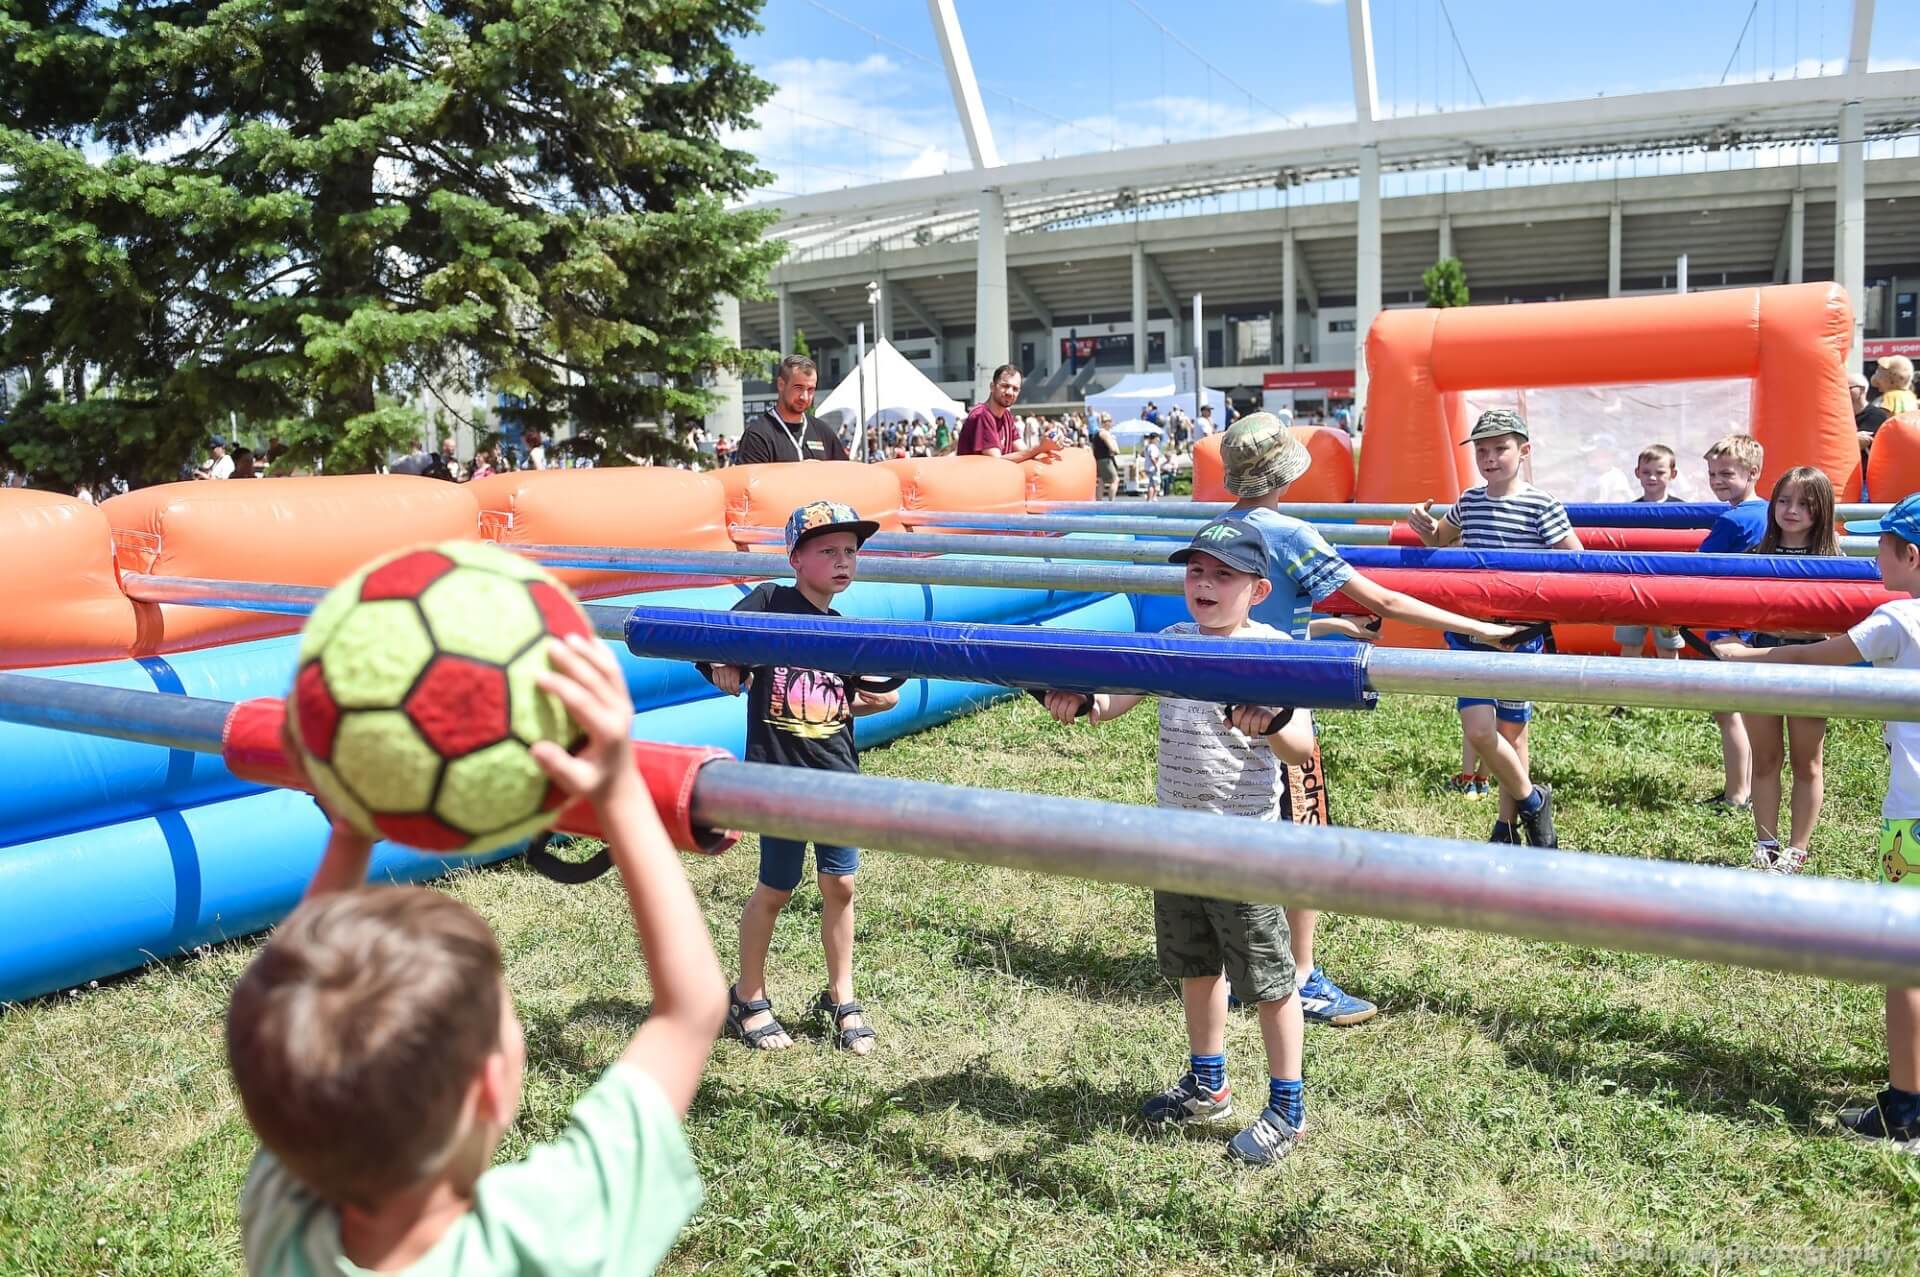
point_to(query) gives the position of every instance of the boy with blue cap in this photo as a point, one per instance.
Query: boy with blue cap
(1890, 639)
(1236, 762)
(803, 718)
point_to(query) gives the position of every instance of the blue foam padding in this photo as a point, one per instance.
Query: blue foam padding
(1782, 567)
(1306, 675)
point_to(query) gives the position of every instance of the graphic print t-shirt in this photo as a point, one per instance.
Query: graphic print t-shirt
(796, 717)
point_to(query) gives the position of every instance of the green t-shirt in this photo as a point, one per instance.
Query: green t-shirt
(609, 1196)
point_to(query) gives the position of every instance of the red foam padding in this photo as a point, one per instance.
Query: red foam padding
(460, 705)
(421, 829)
(406, 576)
(319, 715)
(560, 613)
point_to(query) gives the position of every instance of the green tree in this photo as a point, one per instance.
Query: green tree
(300, 212)
(800, 346)
(1446, 282)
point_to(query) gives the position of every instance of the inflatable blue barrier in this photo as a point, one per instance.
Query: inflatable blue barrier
(1194, 667)
(199, 857)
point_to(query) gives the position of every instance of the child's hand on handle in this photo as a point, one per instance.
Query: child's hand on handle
(588, 682)
(1068, 706)
(1503, 636)
(1421, 519)
(731, 678)
(1255, 720)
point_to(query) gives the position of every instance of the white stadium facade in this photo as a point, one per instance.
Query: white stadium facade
(1084, 268)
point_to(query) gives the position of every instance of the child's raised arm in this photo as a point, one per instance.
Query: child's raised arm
(689, 991)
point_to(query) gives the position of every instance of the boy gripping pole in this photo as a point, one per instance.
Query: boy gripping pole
(375, 1049)
(1890, 638)
(1261, 458)
(1233, 762)
(1504, 513)
(803, 718)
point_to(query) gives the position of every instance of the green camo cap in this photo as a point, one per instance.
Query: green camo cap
(1495, 422)
(1261, 453)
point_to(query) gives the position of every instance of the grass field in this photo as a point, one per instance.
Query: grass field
(1517, 1106)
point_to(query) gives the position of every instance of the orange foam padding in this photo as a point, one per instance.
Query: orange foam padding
(1330, 477)
(64, 604)
(1209, 472)
(1790, 340)
(763, 496)
(1066, 475)
(306, 531)
(972, 485)
(1893, 467)
(633, 507)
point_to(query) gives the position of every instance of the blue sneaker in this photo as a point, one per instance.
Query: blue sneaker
(1266, 1140)
(1323, 1000)
(1187, 1100)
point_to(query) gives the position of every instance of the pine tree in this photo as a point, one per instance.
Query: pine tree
(303, 211)
(800, 346)
(1446, 282)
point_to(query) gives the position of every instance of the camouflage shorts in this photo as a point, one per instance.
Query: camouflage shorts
(1198, 937)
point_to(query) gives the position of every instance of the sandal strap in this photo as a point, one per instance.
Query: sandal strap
(743, 1009)
(839, 1011)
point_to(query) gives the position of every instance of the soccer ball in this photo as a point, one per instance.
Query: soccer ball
(415, 705)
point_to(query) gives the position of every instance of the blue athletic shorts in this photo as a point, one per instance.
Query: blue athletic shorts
(1505, 711)
(783, 861)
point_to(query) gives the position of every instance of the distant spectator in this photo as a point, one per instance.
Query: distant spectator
(942, 435)
(722, 452)
(414, 463)
(1152, 415)
(789, 431)
(1867, 416)
(219, 465)
(1894, 376)
(243, 464)
(536, 449)
(83, 492)
(991, 430)
(1106, 459)
(1204, 427)
(483, 465)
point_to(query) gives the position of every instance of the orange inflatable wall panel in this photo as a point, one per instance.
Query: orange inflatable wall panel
(305, 531)
(1329, 478)
(64, 604)
(629, 506)
(1893, 467)
(764, 495)
(1067, 475)
(1791, 341)
(976, 485)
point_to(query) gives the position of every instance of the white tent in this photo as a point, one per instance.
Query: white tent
(895, 391)
(1130, 396)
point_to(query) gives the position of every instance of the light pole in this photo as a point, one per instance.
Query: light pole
(879, 339)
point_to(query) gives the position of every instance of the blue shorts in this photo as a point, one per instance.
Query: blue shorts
(782, 861)
(1505, 711)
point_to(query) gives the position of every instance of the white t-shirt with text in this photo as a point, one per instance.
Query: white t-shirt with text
(1890, 638)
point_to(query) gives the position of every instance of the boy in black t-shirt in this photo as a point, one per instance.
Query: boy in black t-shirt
(803, 718)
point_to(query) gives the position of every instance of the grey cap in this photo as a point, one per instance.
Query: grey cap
(1495, 422)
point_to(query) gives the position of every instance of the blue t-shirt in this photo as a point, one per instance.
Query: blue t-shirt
(1738, 530)
(1303, 568)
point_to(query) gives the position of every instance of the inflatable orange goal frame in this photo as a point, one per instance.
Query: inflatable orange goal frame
(1790, 341)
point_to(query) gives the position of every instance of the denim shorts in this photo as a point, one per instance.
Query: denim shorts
(783, 861)
(1505, 711)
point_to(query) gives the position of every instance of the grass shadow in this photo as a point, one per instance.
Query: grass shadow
(1075, 967)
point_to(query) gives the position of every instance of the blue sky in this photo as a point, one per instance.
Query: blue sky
(862, 96)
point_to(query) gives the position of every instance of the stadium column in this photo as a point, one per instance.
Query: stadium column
(990, 336)
(886, 305)
(728, 416)
(1139, 307)
(1289, 303)
(785, 297)
(1850, 220)
(1367, 270)
(1797, 237)
(1446, 236)
(1613, 248)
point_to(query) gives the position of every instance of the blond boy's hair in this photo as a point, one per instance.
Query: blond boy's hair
(1658, 452)
(1899, 370)
(356, 1033)
(1742, 448)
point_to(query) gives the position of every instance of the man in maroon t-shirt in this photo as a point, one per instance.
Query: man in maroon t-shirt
(991, 431)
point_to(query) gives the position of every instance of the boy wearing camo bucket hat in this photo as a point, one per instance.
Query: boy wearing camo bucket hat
(1504, 513)
(1262, 457)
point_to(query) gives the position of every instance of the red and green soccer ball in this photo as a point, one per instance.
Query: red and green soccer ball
(415, 706)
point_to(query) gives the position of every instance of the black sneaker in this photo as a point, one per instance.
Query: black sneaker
(1503, 833)
(1538, 825)
(1872, 1122)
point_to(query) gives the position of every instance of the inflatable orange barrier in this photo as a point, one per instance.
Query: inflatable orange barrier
(762, 496)
(628, 506)
(306, 531)
(1067, 475)
(1893, 467)
(65, 605)
(1329, 478)
(1790, 341)
(977, 485)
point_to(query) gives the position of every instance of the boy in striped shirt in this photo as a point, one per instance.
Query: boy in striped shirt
(1505, 513)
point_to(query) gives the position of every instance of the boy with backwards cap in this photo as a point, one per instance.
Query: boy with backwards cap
(1233, 763)
(1504, 513)
(803, 718)
(1262, 457)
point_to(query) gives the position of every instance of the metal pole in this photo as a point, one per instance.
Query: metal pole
(1811, 926)
(860, 374)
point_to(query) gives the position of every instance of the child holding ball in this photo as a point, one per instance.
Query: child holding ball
(375, 1049)
(803, 718)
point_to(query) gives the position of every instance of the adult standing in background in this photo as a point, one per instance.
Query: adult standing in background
(219, 466)
(1106, 459)
(990, 430)
(789, 431)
